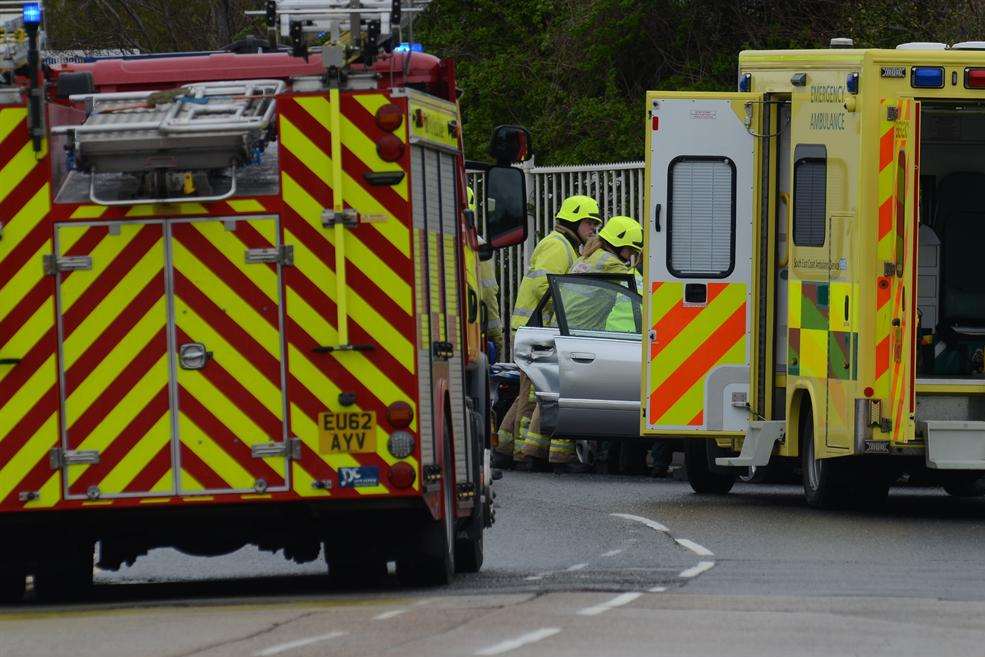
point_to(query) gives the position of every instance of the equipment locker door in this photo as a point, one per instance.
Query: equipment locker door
(113, 345)
(702, 201)
(229, 355)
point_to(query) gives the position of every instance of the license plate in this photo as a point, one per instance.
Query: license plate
(347, 433)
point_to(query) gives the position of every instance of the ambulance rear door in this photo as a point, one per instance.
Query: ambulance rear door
(703, 198)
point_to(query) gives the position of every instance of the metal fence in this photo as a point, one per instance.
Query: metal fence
(617, 187)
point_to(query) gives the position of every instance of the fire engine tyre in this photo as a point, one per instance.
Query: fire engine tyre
(433, 563)
(13, 582)
(697, 461)
(824, 485)
(65, 576)
(469, 548)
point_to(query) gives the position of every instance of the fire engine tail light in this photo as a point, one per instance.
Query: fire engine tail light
(389, 117)
(389, 148)
(399, 415)
(401, 444)
(974, 78)
(402, 475)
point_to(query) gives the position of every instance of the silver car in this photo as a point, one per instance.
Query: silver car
(581, 350)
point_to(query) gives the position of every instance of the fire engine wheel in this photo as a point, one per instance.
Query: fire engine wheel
(433, 562)
(13, 581)
(65, 576)
(697, 460)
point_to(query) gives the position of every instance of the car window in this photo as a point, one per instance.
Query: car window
(597, 307)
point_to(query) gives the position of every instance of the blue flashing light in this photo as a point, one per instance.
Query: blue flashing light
(745, 82)
(409, 47)
(927, 77)
(852, 83)
(32, 13)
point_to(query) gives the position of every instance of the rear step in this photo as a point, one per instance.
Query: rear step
(757, 446)
(954, 444)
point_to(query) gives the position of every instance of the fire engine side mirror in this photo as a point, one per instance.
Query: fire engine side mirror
(511, 144)
(506, 207)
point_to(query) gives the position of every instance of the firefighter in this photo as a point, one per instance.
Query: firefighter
(615, 250)
(489, 293)
(575, 222)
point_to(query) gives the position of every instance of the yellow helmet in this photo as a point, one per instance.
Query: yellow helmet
(623, 231)
(471, 199)
(576, 208)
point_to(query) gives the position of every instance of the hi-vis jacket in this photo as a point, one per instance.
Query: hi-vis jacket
(555, 254)
(588, 307)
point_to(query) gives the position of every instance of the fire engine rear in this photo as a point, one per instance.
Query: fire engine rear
(239, 305)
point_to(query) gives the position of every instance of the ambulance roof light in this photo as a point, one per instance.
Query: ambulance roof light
(969, 45)
(32, 13)
(842, 42)
(922, 45)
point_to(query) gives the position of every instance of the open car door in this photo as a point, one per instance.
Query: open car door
(581, 351)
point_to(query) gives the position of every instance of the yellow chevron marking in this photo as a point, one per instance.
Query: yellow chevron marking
(191, 483)
(26, 397)
(9, 120)
(364, 148)
(665, 299)
(29, 455)
(216, 458)
(794, 304)
(132, 405)
(319, 163)
(166, 209)
(246, 205)
(107, 311)
(74, 285)
(360, 311)
(215, 400)
(25, 220)
(235, 308)
(691, 402)
(814, 353)
(226, 243)
(89, 212)
(138, 457)
(373, 102)
(27, 334)
(302, 482)
(118, 358)
(376, 270)
(19, 284)
(14, 172)
(697, 332)
(49, 494)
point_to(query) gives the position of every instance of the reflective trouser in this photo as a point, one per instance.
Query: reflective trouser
(516, 422)
(538, 446)
(563, 451)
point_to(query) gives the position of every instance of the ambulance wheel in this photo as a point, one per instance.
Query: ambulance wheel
(433, 562)
(66, 575)
(703, 479)
(13, 581)
(823, 481)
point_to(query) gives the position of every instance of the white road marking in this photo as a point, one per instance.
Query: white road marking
(300, 643)
(522, 640)
(699, 550)
(390, 614)
(652, 524)
(658, 589)
(534, 578)
(425, 601)
(577, 566)
(618, 601)
(694, 571)
(612, 553)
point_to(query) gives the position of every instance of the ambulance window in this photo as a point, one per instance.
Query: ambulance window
(810, 185)
(701, 217)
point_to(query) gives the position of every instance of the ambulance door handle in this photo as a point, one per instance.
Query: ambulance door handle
(846, 310)
(582, 357)
(656, 218)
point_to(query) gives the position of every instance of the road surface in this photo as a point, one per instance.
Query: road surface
(575, 566)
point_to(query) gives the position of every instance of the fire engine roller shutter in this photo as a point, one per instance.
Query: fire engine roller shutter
(231, 307)
(379, 295)
(113, 339)
(29, 379)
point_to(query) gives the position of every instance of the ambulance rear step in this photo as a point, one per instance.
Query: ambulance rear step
(954, 444)
(199, 128)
